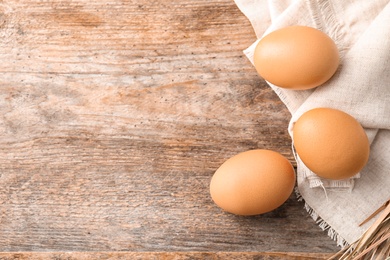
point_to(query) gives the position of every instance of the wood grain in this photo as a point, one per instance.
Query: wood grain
(166, 256)
(114, 116)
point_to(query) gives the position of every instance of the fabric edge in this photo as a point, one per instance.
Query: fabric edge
(333, 234)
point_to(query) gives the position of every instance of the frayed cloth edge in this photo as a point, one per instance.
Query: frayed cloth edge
(341, 242)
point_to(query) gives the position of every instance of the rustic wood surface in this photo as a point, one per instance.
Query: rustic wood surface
(113, 117)
(164, 256)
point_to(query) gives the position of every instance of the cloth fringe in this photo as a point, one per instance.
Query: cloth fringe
(341, 242)
(322, 14)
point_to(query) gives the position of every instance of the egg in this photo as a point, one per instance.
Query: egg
(331, 143)
(253, 182)
(296, 57)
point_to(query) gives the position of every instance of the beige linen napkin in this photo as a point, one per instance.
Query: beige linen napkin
(360, 87)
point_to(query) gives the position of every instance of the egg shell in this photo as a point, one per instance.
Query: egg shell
(253, 182)
(331, 143)
(296, 57)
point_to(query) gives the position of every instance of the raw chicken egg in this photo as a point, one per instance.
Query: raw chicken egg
(253, 182)
(296, 57)
(331, 143)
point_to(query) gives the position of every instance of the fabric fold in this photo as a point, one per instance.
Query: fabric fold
(360, 87)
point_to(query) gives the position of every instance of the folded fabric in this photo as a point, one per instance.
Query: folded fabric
(360, 87)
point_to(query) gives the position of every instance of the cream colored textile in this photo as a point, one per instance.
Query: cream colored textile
(360, 87)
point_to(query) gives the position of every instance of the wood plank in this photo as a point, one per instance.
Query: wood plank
(114, 116)
(165, 255)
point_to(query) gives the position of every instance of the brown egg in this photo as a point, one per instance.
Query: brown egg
(331, 143)
(296, 57)
(253, 182)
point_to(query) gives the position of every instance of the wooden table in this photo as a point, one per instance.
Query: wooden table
(115, 115)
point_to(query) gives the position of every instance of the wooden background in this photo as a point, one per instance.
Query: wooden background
(115, 114)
